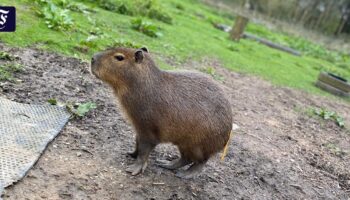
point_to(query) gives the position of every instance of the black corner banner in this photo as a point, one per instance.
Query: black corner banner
(7, 19)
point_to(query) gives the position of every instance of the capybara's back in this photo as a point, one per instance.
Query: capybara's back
(181, 107)
(193, 114)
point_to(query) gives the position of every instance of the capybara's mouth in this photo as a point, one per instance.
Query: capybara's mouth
(94, 73)
(93, 68)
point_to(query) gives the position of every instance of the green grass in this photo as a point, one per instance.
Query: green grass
(7, 70)
(190, 35)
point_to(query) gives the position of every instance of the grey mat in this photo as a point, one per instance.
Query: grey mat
(25, 131)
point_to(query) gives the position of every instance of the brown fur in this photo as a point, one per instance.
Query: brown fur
(184, 108)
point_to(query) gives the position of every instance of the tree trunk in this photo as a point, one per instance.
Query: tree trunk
(238, 28)
(341, 26)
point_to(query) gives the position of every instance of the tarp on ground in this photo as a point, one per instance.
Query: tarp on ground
(25, 131)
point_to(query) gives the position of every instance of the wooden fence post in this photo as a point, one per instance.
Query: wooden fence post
(238, 28)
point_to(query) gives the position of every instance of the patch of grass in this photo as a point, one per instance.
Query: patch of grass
(6, 56)
(212, 72)
(7, 70)
(121, 7)
(146, 27)
(74, 6)
(145, 8)
(307, 48)
(157, 13)
(179, 6)
(125, 43)
(329, 115)
(55, 17)
(87, 43)
(190, 36)
(335, 149)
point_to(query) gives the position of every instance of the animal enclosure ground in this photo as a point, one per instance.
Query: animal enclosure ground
(279, 152)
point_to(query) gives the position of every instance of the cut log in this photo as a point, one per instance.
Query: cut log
(238, 28)
(271, 44)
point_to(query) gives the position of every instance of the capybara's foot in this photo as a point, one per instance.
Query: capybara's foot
(133, 154)
(191, 172)
(174, 164)
(136, 168)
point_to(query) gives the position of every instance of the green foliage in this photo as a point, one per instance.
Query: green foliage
(146, 27)
(191, 38)
(151, 9)
(6, 56)
(179, 6)
(91, 41)
(74, 6)
(212, 72)
(52, 101)
(7, 70)
(156, 13)
(122, 7)
(307, 48)
(335, 149)
(329, 115)
(81, 109)
(55, 17)
(126, 43)
(77, 109)
(232, 47)
(145, 8)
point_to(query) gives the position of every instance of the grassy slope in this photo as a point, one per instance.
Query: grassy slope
(191, 36)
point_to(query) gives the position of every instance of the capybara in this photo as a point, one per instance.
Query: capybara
(187, 109)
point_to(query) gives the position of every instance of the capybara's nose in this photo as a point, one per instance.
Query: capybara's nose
(93, 60)
(94, 63)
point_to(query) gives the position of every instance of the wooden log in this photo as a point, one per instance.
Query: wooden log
(271, 44)
(238, 28)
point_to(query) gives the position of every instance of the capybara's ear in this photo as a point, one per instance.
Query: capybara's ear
(144, 49)
(139, 56)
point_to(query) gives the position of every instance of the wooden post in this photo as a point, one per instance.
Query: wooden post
(238, 29)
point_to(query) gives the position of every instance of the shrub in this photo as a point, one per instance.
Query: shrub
(73, 6)
(156, 13)
(146, 8)
(145, 27)
(55, 17)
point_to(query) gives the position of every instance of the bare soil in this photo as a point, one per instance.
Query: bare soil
(279, 151)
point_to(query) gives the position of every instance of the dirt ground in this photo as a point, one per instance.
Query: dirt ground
(279, 151)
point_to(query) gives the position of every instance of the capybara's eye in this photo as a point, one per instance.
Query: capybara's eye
(119, 57)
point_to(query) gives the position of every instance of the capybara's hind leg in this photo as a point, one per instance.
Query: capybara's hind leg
(144, 149)
(174, 164)
(192, 171)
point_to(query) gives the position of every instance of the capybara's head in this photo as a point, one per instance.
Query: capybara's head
(115, 65)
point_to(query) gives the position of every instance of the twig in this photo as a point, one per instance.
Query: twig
(158, 183)
(85, 150)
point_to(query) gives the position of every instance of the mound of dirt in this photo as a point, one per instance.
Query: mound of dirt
(279, 152)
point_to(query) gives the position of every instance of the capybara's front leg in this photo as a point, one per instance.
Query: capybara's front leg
(144, 148)
(135, 153)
